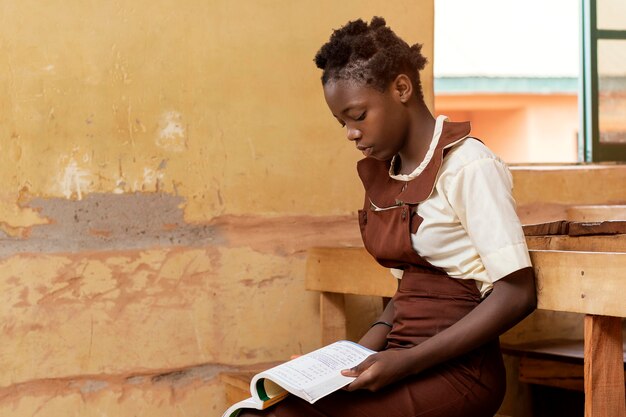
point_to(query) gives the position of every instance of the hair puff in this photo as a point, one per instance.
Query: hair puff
(370, 53)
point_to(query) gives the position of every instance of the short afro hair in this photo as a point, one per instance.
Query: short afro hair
(371, 54)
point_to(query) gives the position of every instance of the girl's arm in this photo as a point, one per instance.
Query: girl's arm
(376, 336)
(513, 298)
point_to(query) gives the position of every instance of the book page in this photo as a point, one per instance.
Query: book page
(235, 409)
(318, 373)
(252, 402)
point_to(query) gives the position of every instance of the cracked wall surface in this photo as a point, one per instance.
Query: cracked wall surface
(164, 166)
(216, 102)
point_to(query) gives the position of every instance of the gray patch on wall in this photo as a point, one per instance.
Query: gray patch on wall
(110, 222)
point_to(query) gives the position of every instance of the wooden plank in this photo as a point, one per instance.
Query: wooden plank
(581, 282)
(557, 363)
(547, 192)
(333, 317)
(559, 227)
(575, 184)
(236, 385)
(564, 227)
(612, 227)
(596, 213)
(566, 349)
(347, 271)
(614, 243)
(551, 373)
(237, 382)
(604, 376)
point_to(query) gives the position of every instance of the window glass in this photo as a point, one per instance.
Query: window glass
(612, 90)
(611, 14)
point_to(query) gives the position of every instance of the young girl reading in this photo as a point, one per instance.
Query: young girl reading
(438, 212)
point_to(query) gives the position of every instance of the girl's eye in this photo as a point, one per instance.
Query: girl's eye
(341, 122)
(361, 117)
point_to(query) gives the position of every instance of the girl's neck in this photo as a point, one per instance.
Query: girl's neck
(419, 136)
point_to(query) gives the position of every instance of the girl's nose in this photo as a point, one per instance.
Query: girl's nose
(354, 134)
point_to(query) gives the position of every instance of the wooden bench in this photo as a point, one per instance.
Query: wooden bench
(555, 362)
(574, 274)
(237, 382)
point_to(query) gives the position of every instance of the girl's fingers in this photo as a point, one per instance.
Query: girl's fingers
(360, 368)
(362, 381)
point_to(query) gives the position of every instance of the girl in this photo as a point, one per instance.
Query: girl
(438, 211)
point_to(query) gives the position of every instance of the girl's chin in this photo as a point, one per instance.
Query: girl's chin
(380, 156)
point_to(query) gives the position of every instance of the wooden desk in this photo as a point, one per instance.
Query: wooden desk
(575, 274)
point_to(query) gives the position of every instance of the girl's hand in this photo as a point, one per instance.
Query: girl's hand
(379, 370)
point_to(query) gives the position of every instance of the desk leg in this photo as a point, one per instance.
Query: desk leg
(604, 375)
(333, 317)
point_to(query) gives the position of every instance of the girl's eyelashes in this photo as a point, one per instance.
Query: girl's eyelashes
(357, 118)
(341, 122)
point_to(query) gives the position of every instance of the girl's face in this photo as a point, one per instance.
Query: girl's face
(376, 122)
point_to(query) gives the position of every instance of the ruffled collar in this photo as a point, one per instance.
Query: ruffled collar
(429, 154)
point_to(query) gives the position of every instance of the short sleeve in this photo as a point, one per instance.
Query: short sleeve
(481, 195)
(396, 273)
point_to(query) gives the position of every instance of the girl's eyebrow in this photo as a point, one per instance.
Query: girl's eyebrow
(347, 109)
(351, 106)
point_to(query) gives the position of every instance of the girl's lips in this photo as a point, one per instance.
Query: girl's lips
(367, 151)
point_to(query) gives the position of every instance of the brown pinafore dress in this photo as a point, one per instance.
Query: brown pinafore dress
(427, 302)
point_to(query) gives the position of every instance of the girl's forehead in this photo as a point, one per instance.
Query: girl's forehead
(349, 90)
(343, 96)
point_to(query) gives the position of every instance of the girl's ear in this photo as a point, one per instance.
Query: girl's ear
(402, 88)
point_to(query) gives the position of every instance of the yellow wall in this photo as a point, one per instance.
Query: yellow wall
(164, 166)
(213, 101)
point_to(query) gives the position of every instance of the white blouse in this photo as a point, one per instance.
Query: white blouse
(470, 227)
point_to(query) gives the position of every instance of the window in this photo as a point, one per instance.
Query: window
(603, 95)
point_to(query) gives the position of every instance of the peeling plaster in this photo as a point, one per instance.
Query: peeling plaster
(75, 180)
(90, 386)
(109, 222)
(129, 221)
(171, 136)
(152, 179)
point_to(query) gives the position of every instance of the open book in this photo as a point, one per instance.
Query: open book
(310, 377)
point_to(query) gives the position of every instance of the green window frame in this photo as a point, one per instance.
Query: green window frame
(591, 148)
